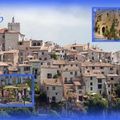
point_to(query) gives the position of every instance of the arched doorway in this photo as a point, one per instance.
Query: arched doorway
(103, 30)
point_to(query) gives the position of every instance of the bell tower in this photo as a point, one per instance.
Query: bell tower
(14, 26)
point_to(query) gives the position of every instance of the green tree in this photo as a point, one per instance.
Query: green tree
(96, 103)
(116, 105)
(117, 91)
(54, 56)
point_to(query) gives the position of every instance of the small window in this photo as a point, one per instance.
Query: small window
(91, 83)
(74, 48)
(49, 75)
(99, 80)
(91, 88)
(93, 68)
(53, 88)
(42, 53)
(91, 78)
(71, 73)
(45, 58)
(112, 78)
(92, 58)
(101, 67)
(99, 86)
(111, 68)
(75, 73)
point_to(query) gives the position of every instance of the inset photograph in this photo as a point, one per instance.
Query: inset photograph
(16, 90)
(106, 24)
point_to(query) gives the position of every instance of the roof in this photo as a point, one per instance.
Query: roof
(59, 62)
(50, 67)
(3, 30)
(69, 68)
(93, 75)
(89, 64)
(44, 48)
(76, 83)
(112, 75)
(3, 64)
(52, 82)
(22, 65)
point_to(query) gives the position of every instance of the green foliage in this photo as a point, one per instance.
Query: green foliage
(96, 103)
(54, 56)
(57, 75)
(37, 88)
(116, 105)
(117, 91)
(112, 32)
(15, 112)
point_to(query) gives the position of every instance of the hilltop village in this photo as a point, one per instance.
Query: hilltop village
(73, 71)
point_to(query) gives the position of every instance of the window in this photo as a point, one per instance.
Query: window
(53, 99)
(74, 48)
(75, 73)
(101, 67)
(71, 73)
(53, 88)
(20, 43)
(112, 78)
(45, 58)
(92, 58)
(49, 75)
(111, 68)
(93, 68)
(42, 53)
(26, 68)
(102, 72)
(90, 78)
(34, 44)
(80, 98)
(38, 44)
(99, 86)
(91, 88)
(99, 80)
(91, 83)
(66, 79)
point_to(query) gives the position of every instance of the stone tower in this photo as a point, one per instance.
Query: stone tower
(14, 26)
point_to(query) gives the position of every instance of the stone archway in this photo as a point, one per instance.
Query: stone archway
(103, 30)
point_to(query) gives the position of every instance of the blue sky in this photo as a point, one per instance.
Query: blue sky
(64, 21)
